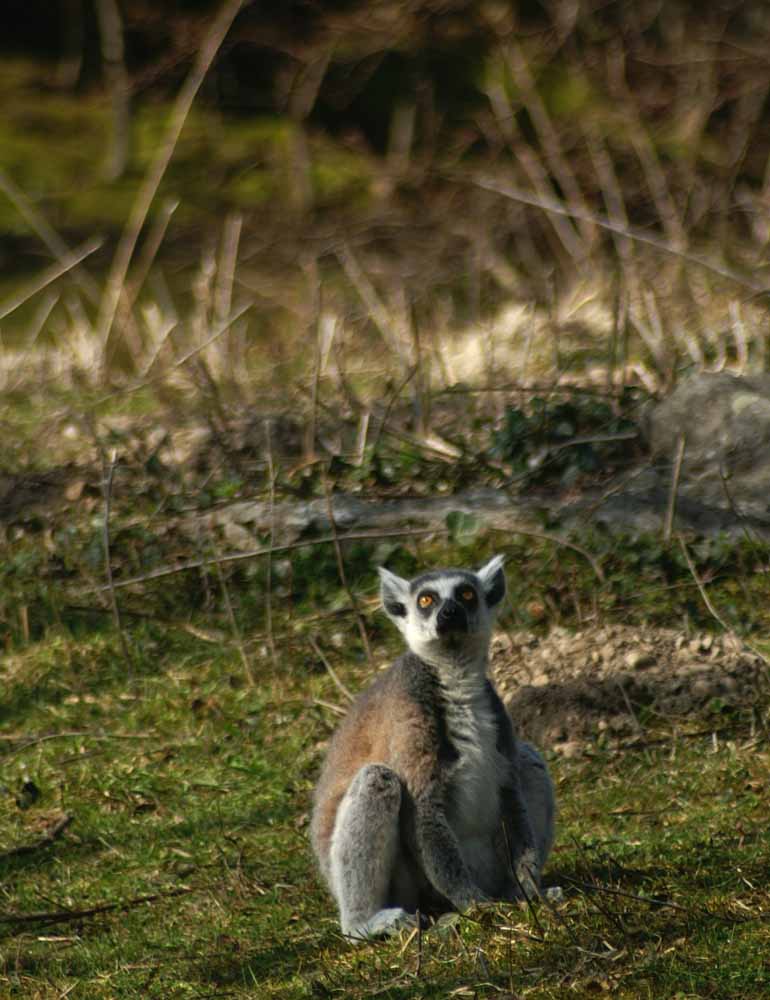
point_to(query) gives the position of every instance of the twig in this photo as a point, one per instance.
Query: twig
(46, 840)
(143, 383)
(107, 479)
(630, 707)
(650, 900)
(557, 541)
(391, 402)
(269, 567)
(73, 734)
(335, 709)
(671, 509)
(111, 33)
(378, 313)
(146, 194)
(150, 247)
(550, 143)
(65, 264)
(737, 514)
(555, 207)
(231, 616)
(194, 564)
(707, 601)
(67, 916)
(341, 571)
(55, 244)
(319, 321)
(330, 669)
(701, 589)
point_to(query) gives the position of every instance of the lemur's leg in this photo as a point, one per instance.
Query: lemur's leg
(363, 852)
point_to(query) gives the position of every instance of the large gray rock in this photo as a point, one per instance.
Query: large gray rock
(725, 422)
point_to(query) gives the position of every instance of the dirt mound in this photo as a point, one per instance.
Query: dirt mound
(566, 689)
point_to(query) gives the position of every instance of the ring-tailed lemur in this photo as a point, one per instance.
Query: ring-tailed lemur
(427, 801)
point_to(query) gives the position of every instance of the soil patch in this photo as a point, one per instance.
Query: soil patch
(607, 683)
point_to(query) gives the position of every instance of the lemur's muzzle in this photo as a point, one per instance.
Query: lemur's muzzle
(451, 617)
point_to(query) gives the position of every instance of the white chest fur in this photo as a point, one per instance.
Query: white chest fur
(479, 769)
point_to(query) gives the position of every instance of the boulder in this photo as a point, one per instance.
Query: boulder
(725, 422)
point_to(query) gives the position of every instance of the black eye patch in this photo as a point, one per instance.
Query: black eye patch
(466, 595)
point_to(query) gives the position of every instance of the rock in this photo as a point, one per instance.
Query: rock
(725, 422)
(637, 659)
(703, 687)
(608, 652)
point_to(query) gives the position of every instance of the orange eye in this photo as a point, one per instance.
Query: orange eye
(468, 596)
(425, 600)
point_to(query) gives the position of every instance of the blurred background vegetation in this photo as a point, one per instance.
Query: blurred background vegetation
(421, 246)
(258, 254)
(398, 168)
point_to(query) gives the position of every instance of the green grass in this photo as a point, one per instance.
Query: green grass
(188, 785)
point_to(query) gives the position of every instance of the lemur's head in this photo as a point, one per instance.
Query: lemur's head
(446, 615)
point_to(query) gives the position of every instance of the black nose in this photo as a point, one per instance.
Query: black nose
(451, 617)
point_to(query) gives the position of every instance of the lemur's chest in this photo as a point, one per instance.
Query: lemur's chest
(478, 771)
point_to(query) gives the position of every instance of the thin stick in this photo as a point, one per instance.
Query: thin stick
(107, 480)
(334, 709)
(46, 840)
(55, 244)
(194, 564)
(378, 313)
(701, 589)
(671, 509)
(65, 264)
(269, 566)
(70, 734)
(330, 669)
(557, 541)
(723, 475)
(150, 247)
(650, 900)
(556, 208)
(630, 707)
(548, 135)
(146, 194)
(343, 575)
(391, 403)
(231, 617)
(318, 321)
(41, 317)
(67, 916)
(136, 386)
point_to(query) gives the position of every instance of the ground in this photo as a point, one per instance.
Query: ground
(602, 684)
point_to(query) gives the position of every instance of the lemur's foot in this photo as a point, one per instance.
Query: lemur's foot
(383, 923)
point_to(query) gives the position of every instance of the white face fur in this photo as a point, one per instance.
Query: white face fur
(446, 616)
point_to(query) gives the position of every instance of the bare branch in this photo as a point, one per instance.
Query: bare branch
(51, 834)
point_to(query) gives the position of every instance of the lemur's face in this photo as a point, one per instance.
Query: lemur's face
(445, 614)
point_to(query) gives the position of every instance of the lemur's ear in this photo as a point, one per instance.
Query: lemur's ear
(394, 593)
(493, 580)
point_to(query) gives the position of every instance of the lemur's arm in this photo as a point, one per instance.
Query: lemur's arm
(517, 828)
(439, 851)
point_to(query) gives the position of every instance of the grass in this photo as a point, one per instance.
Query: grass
(188, 791)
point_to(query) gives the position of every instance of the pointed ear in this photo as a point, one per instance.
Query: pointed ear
(492, 580)
(394, 593)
